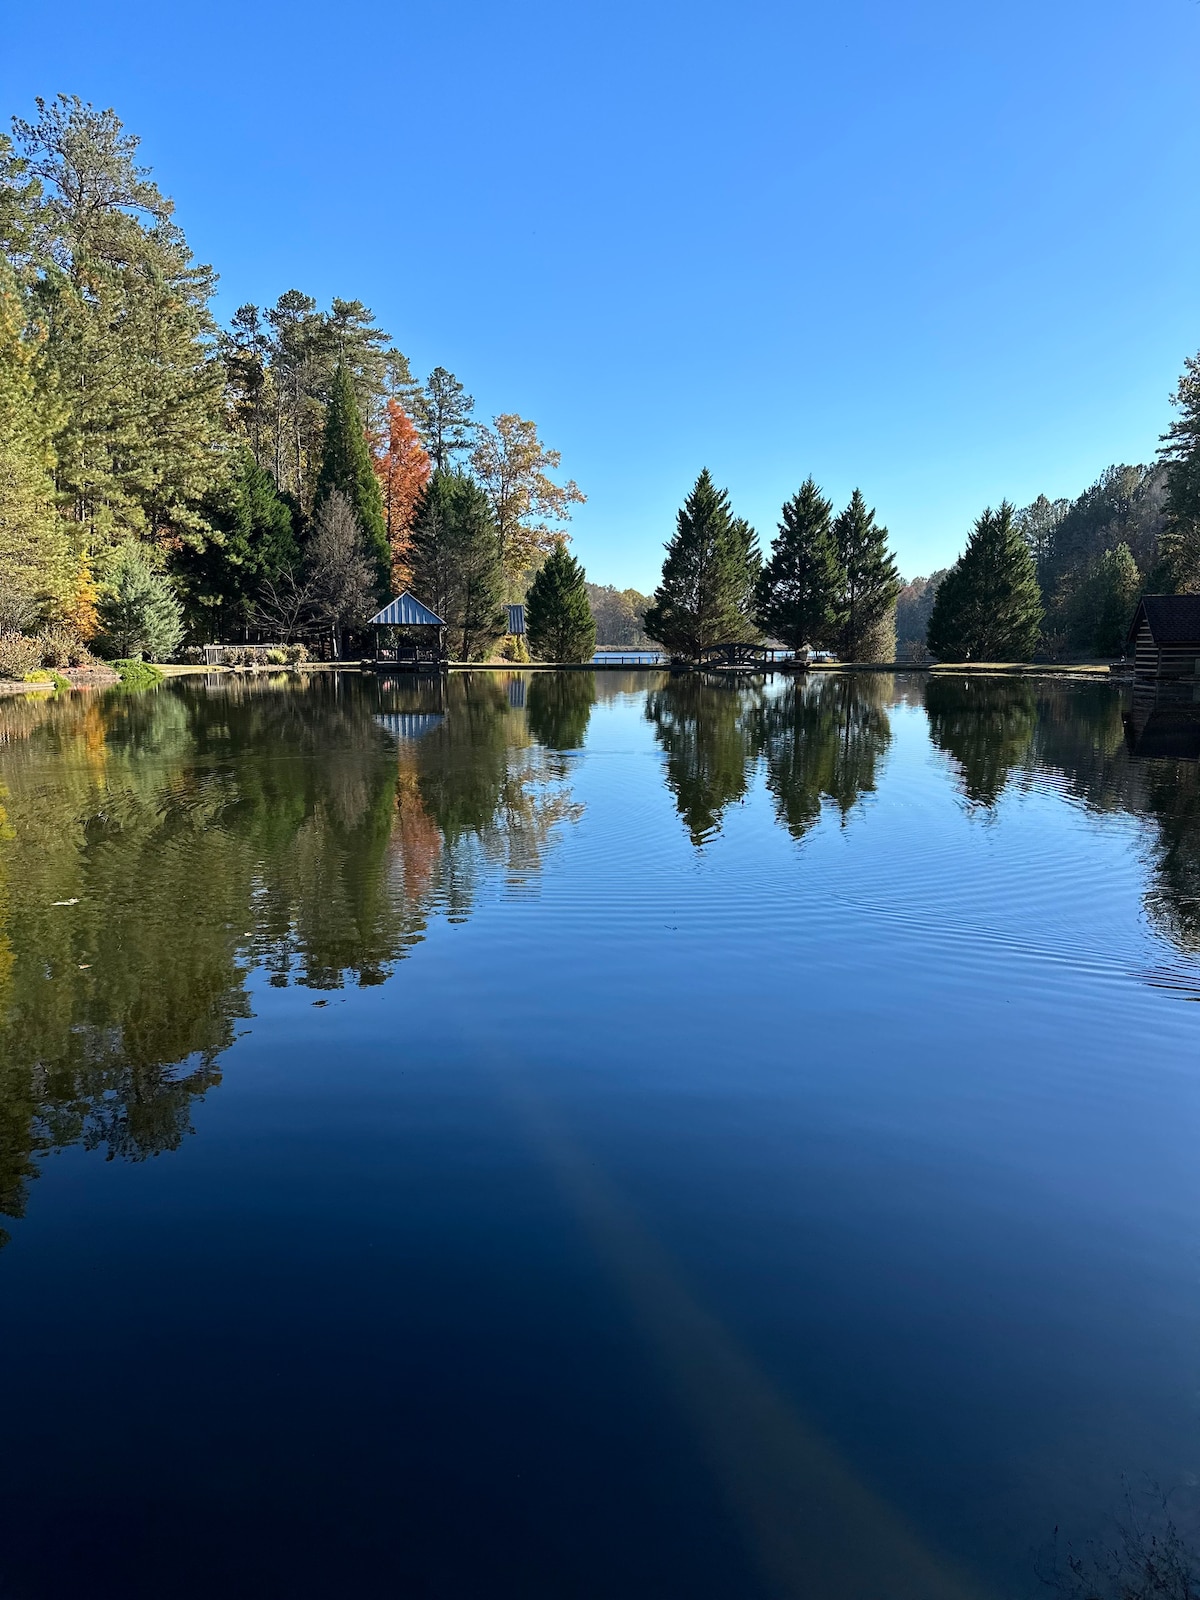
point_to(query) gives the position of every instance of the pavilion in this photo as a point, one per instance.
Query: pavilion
(409, 636)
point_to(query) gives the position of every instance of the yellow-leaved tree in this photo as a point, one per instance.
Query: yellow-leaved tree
(528, 508)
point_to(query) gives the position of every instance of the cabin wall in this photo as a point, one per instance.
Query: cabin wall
(1166, 661)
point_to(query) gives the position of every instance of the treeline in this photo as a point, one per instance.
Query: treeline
(1062, 578)
(829, 581)
(165, 480)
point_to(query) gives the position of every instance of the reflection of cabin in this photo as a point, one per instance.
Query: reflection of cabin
(1163, 723)
(409, 636)
(1164, 636)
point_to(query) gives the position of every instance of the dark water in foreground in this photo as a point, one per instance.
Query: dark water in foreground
(592, 1137)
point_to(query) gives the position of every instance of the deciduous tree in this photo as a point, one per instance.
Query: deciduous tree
(528, 507)
(403, 469)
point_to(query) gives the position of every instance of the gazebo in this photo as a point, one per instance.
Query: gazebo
(409, 636)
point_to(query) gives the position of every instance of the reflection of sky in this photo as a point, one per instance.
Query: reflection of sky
(882, 1133)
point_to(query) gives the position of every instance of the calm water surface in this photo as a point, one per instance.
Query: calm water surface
(592, 1135)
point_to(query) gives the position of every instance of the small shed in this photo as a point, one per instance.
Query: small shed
(408, 635)
(1164, 636)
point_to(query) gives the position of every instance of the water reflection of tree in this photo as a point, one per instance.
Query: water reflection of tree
(986, 725)
(823, 740)
(710, 730)
(559, 708)
(199, 834)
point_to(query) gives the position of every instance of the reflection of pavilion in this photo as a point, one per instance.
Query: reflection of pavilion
(409, 724)
(1163, 724)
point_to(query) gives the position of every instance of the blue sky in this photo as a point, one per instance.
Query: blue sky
(942, 251)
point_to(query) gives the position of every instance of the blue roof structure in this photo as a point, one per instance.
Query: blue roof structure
(405, 612)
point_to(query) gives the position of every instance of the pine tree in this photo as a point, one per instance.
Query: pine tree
(1117, 586)
(139, 613)
(443, 410)
(456, 562)
(799, 594)
(129, 334)
(872, 583)
(706, 594)
(346, 465)
(558, 617)
(988, 606)
(1181, 451)
(36, 567)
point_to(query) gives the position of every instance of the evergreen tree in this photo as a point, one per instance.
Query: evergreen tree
(558, 617)
(872, 584)
(799, 594)
(456, 562)
(139, 613)
(35, 559)
(1181, 451)
(1117, 585)
(129, 334)
(706, 594)
(988, 606)
(443, 410)
(253, 544)
(346, 465)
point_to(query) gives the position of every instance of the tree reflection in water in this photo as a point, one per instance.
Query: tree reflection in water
(155, 848)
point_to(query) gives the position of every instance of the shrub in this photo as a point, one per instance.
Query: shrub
(277, 658)
(137, 674)
(61, 646)
(19, 655)
(514, 648)
(296, 653)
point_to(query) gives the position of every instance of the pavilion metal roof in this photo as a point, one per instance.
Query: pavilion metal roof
(405, 611)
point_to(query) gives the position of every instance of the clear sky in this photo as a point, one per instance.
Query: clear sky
(945, 251)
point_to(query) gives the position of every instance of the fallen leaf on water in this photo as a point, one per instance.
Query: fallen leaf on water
(73, 902)
(85, 966)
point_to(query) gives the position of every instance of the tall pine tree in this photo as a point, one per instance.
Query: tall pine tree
(706, 594)
(988, 606)
(346, 465)
(1180, 564)
(872, 584)
(557, 614)
(799, 594)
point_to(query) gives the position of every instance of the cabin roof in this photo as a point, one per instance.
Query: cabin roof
(405, 611)
(1173, 618)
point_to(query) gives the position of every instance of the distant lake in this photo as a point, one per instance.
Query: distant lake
(593, 1136)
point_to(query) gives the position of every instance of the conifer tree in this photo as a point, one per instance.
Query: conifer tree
(443, 410)
(1180, 563)
(558, 617)
(253, 544)
(988, 606)
(706, 594)
(35, 558)
(139, 613)
(799, 594)
(872, 583)
(1117, 586)
(456, 562)
(346, 465)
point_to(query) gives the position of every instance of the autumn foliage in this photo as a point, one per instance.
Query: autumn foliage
(403, 470)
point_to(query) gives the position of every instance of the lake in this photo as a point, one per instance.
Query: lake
(599, 1135)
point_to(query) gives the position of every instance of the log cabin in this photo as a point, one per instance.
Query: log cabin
(1164, 636)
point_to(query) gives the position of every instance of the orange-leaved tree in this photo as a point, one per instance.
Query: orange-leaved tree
(403, 471)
